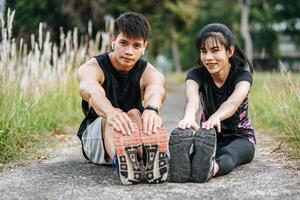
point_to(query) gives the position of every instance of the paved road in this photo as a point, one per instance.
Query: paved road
(70, 176)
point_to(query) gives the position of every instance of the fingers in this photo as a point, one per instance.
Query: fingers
(183, 124)
(195, 126)
(157, 122)
(219, 128)
(121, 122)
(209, 125)
(150, 125)
(145, 122)
(151, 122)
(129, 122)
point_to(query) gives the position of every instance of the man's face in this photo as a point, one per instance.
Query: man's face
(128, 50)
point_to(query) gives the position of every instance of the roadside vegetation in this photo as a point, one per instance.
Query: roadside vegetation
(275, 105)
(39, 92)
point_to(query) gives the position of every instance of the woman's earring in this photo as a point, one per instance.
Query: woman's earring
(143, 52)
(113, 46)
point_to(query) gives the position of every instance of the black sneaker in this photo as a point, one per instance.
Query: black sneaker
(205, 143)
(180, 144)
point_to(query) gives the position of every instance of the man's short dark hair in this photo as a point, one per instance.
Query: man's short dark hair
(132, 25)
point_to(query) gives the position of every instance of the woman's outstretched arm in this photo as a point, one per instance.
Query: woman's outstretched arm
(229, 107)
(192, 106)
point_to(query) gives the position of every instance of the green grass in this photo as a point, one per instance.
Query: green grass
(38, 94)
(275, 105)
(26, 121)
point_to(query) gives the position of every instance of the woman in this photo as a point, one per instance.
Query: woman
(225, 138)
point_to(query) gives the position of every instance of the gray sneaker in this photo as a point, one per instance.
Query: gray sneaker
(180, 144)
(205, 143)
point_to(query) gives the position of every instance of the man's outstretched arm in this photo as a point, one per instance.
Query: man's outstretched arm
(90, 78)
(154, 95)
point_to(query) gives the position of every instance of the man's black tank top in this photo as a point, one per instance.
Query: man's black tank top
(122, 89)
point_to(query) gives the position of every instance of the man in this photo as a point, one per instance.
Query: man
(122, 95)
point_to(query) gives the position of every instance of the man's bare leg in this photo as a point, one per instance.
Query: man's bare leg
(126, 149)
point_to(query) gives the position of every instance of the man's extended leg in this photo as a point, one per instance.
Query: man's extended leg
(155, 150)
(124, 150)
(92, 143)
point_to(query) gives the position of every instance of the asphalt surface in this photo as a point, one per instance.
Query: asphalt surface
(69, 176)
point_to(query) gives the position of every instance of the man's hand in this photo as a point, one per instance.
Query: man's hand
(213, 122)
(151, 121)
(120, 121)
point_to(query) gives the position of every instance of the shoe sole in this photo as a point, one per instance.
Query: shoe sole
(126, 146)
(204, 152)
(180, 164)
(155, 149)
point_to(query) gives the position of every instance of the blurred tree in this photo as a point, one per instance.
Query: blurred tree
(179, 16)
(270, 19)
(29, 13)
(174, 22)
(287, 11)
(262, 20)
(55, 14)
(245, 12)
(210, 11)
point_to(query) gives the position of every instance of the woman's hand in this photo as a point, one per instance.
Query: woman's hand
(213, 122)
(188, 122)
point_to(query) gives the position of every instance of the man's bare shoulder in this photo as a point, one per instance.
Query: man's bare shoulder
(152, 76)
(91, 64)
(151, 72)
(90, 71)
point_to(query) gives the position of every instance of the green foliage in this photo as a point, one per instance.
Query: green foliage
(225, 12)
(55, 13)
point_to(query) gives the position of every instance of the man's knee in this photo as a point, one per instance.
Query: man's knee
(134, 113)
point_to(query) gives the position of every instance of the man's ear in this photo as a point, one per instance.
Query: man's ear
(113, 41)
(113, 38)
(144, 47)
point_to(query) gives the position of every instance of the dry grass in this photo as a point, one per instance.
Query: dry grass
(38, 86)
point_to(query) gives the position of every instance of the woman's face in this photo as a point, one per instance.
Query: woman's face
(214, 56)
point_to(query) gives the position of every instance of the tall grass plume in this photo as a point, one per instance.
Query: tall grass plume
(38, 86)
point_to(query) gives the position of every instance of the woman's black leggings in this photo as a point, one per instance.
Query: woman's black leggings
(233, 151)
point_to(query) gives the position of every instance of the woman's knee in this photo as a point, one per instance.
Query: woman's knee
(250, 153)
(226, 164)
